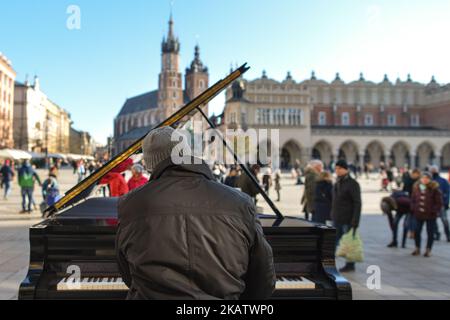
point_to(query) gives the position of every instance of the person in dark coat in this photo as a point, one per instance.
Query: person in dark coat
(246, 184)
(323, 198)
(6, 177)
(445, 190)
(426, 205)
(409, 179)
(400, 202)
(232, 178)
(314, 168)
(346, 205)
(277, 180)
(184, 235)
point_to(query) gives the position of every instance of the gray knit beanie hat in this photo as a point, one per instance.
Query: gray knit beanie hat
(158, 146)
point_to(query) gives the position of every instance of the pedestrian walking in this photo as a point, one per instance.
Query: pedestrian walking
(50, 190)
(246, 184)
(277, 180)
(91, 167)
(314, 168)
(323, 198)
(6, 176)
(426, 205)
(74, 164)
(232, 178)
(445, 189)
(27, 179)
(267, 179)
(346, 206)
(81, 171)
(298, 172)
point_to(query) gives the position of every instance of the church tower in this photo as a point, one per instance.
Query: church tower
(197, 79)
(170, 93)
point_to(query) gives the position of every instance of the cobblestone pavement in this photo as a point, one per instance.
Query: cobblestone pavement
(402, 275)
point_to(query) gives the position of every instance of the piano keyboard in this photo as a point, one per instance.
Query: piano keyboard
(117, 284)
(92, 284)
(294, 283)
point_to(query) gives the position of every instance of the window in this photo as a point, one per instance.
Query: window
(266, 116)
(415, 120)
(298, 117)
(368, 120)
(322, 118)
(243, 117)
(174, 94)
(392, 120)
(232, 117)
(201, 84)
(345, 119)
(275, 117)
(258, 116)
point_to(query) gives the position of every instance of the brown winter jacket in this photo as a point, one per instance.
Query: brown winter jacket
(311, 177)
(185, 236)
(426, 205)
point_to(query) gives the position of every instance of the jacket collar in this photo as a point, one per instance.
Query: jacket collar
(343, 178)
(190, 166)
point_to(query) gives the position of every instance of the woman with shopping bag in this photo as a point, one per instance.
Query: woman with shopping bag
(346, 210)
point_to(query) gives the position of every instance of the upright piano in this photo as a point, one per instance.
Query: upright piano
(72, 252)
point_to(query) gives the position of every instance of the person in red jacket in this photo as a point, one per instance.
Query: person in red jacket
(115, 180)
(426, 205)
(138, 179)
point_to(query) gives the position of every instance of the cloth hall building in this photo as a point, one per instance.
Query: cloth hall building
(404, 123)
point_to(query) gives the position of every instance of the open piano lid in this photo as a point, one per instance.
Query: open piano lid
(84, 188)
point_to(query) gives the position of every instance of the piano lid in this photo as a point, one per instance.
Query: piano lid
(84, 188)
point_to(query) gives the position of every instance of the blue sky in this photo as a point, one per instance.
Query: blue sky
(116, 53)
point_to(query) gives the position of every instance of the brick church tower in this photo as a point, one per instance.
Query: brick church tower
(197, 79)
(170, 93)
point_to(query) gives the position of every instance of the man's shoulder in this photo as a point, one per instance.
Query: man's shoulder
(352, 182)
(128, 199)
(442, 181)
(231, 193)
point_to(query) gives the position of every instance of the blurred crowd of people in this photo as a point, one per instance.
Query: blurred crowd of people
(27, 179)
(418, 198)
(421, 198)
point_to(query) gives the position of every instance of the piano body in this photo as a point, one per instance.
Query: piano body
(79, 235)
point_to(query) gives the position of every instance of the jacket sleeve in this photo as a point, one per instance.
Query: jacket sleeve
(445, 193)
(36, 176)
(121, 260)
(260, 279)
(437, 201)
(357, 204)
(413, 200)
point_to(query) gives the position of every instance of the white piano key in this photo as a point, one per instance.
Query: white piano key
(93, 284)
(294, 282)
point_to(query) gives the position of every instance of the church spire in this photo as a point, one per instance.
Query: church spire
(170, 33)
(171, 44)
(197, 64)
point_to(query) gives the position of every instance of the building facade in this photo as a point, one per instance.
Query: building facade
(39, 124)
(403, 123)
(7, 79)
(139, 114)
(81, 143)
